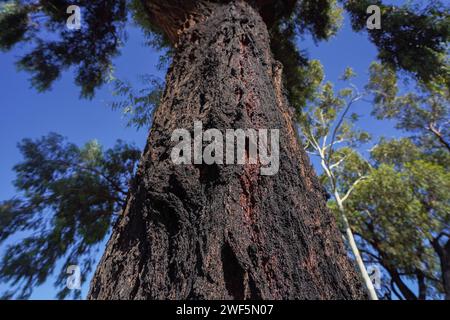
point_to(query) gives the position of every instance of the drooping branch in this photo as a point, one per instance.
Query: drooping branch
(432, 128)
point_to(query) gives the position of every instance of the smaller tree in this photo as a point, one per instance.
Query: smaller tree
(414, 171)
(395, 202)
(327, 127)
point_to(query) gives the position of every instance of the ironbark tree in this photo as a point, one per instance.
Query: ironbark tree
(197, 231)
(223, 231)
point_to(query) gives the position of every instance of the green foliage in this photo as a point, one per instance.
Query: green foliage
(352, 167)
(329, 133)
(400, 209)
(326, 121)
(396, 201)
(55, 48)
(156, 37)
(383, 85)
(413, 36)
(14, 23)
(411, 39)
(301, 77)
(321, 18)
(424, 112)
(138, 106)
(68, 198)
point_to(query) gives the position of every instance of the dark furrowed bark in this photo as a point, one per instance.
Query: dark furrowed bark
(445, 263)
(443, 252)
(172, 15)
(225, 231)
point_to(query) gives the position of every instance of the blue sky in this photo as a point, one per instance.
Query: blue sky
(28, 114)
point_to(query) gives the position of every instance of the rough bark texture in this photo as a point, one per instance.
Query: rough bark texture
(445, 262)
(172, 16)
(225, 231)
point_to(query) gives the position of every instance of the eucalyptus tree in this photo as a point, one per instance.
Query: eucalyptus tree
(180, 233)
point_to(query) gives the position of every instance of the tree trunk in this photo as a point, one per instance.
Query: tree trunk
(443, 252)
(445, 264)
(225, 231)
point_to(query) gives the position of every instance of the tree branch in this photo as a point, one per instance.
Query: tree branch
(353, 187)
(438, 134)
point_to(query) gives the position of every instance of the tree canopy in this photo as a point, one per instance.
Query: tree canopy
(394, 199)
(401, 213)
(68, 198)
(413, 37)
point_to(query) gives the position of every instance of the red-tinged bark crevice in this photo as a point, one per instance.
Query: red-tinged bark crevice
(225, 231)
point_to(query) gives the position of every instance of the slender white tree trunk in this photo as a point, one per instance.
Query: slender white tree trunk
(348, 231)
(355, 250)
